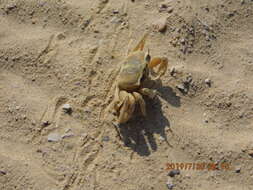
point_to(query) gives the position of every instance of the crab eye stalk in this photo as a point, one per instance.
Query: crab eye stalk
(147, 57)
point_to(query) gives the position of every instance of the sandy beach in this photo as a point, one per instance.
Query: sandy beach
(57, 69)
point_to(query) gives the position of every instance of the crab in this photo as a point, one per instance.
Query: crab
(134, 69)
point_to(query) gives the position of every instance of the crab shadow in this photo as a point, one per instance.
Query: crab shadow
(139, 132)
(167, 93)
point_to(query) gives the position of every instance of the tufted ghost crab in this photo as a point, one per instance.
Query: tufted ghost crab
(134, 69)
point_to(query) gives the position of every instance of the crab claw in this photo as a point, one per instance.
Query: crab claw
(163, 65)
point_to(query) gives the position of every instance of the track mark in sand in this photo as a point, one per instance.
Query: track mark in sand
(47, 48)
(109, 89)
(102, 5)
(85, 155)
(16, 89)
(24, 155)
(89, 149)
(69, 181)
(46, 51)
(77, 179)
(96, 56)
(50, 115)
(88, 161)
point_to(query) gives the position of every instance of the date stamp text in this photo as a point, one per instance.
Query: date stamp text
(198, 166)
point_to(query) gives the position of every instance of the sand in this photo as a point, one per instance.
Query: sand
(56, 52)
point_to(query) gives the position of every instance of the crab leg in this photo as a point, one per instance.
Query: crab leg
(128, 47)
(163, 65)
(141, 44)
(139, 99)
(127, 108)
(116, 101)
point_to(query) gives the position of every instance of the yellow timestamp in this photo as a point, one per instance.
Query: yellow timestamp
(198, 166)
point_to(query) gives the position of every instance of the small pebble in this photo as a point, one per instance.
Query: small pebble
(33, 21)
(163, 5)
(68, 134)
(172, 173)
(208, 38)
(169, 184)
(178, 30)
(67, 108)
(231, 14)
(170, 10)
(10, 7)
(2, 172)
(85, 24)
(54, 137)
(238, 170)
(45, 123)
(241, 114)
(61, 36)
(161, 25)
(115, 11)
(31, 12)
(115, 20)
(68, 130)
(172, 71)
(184, 49)
(251, 153)
(41, 4)
(208, 81)
(182, 88)
(105, 138)
(187, 80)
